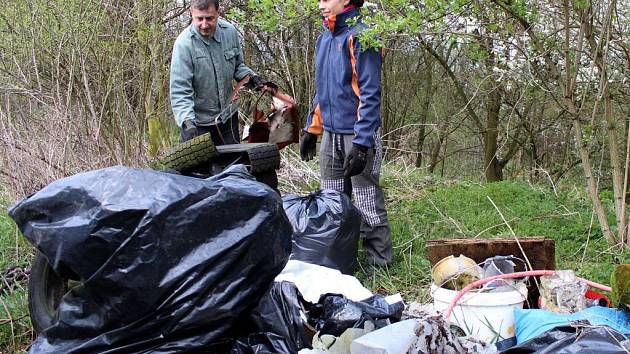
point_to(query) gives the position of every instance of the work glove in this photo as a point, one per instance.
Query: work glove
(255, 82)
(189, 130)
(355, 161)
(308, 145)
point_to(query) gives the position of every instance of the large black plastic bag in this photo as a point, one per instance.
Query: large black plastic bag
(169, 263)
(326, 229)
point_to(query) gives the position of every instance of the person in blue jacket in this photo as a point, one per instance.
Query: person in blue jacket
(346, 112)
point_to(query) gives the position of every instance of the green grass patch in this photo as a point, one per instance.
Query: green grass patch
(15, 256)
(424, 208)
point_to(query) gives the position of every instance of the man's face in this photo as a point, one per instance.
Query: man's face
(332, 7)
(205, 20)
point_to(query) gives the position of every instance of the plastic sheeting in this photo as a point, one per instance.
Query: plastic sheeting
(327, 227)
(313, 281)
(566, 340)
(333, 314)
(532, 323)
(261, 343)
(280, 312)
(168, 263)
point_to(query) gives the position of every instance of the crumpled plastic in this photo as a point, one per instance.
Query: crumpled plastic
(280, 312)
(313, 281)
(533, 322)
(167, 263)
(562, 292)
(333, 314)
(584, 339)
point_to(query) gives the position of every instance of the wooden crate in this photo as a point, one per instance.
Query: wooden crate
(540, 251)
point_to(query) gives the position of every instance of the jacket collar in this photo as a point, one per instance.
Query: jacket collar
(338, 23)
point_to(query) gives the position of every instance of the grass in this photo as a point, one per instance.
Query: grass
(15, 253)
(420, 208)
(425, 208)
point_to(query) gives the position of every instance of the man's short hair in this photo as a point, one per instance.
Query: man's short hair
(205, 4)
(357, 3)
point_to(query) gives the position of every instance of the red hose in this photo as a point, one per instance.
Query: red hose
(531, 273)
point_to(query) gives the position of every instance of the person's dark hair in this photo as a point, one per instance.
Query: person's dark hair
(205, 4)
(357, 3)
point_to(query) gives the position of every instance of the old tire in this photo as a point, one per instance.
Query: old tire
(45, 290)
(264, 157)
(258, 157)
(190, 154)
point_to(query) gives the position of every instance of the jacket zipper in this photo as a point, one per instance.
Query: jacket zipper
(329, 79)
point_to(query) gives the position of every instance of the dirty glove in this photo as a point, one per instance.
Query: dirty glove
(255, 82)
(355, 161)
(308, 145)
(189, 130)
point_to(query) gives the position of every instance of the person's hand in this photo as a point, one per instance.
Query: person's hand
(308, 145)
(355, 161)
(255, 82)
(189, 130)
(258, 83)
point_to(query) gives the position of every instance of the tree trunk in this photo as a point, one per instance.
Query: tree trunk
(435, 152)
(493, 168)
(424, 108)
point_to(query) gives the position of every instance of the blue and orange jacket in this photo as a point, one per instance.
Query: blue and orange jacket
(347, 82)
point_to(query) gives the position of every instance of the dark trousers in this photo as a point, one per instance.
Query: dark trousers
(365, 189)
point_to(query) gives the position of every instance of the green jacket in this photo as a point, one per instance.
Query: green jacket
(202, 69)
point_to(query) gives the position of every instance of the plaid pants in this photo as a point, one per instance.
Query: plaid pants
(368, 195)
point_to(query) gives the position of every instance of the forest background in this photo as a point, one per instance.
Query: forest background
(500, 117)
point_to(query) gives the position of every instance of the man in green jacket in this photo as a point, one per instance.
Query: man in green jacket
(207, 56)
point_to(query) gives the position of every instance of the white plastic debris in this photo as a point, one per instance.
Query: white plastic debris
(329, 344)
(393, 339)
(314, 280)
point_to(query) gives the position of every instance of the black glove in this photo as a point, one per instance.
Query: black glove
(189, 130)
(308, 145)
(255, 82)
(355, 161)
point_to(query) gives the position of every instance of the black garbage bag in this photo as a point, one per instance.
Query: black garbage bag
(262, 343)
(574, 339)
(280, 312)
(168, 263)
(334, 313)
(326, 229)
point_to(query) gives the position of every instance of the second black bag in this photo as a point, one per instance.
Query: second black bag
(326, 229)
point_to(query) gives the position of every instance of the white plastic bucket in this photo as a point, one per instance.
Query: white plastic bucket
(486, 316)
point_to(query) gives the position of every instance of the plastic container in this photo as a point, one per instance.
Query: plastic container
(455, 272)
(486, 316)
(395, 338)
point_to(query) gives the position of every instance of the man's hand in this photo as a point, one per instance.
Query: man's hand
(355, 161)
(189, 130)
(255, 82)
(258, 83)
(308, 145)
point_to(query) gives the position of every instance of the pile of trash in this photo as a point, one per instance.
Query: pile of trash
(166, 263)
(486, 301)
